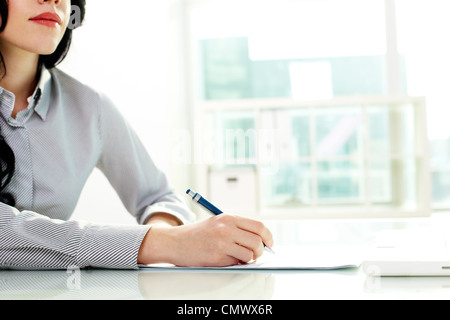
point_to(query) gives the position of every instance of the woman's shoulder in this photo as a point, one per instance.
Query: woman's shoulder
(74, 88)
(82, 102)
(84, 99)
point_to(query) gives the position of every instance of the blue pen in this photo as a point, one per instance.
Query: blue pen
(196, 197)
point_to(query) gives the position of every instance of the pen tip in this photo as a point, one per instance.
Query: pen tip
(189, 190)
(269, 250)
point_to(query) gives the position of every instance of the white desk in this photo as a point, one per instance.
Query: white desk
(234, 285)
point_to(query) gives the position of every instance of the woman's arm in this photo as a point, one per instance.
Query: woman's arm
(218, 241)
(29, 240)
(142, 187)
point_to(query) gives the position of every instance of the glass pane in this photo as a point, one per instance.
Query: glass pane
(229, 73)
(285, 134)
(380, 133)
(301, 133)
(441, 187)
(339, 182)
(226, 69)
(236, 137)
(290, 186)
(339, 131)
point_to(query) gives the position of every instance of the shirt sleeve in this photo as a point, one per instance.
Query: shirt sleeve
(29, 241)
(141, 186)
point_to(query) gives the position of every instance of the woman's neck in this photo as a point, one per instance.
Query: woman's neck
(20, 76)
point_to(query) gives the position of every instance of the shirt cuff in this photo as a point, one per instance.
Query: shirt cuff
(184, 215)
(111, 247)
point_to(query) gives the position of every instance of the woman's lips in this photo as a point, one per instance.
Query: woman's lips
(48, 19)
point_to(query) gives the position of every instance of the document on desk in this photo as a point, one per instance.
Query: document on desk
(291, 258)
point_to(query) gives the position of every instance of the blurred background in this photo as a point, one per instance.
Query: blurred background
(278, 109)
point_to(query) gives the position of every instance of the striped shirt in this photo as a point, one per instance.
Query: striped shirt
(68, 130)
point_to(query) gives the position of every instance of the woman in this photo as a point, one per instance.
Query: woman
(54, 132)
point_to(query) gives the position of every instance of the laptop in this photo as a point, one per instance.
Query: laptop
(413, 252)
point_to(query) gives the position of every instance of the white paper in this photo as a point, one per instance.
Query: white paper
(292, 258)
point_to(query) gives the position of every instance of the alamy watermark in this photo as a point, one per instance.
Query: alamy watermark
(73, 281)
(75, 17)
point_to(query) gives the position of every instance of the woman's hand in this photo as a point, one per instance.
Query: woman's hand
(219, 241)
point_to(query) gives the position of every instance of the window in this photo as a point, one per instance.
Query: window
(229, 73)
(422, 31)
(300, 92)
(254, 49)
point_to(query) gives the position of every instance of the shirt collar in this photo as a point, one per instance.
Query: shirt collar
(6, 103)
(41, 95)
(39, 101)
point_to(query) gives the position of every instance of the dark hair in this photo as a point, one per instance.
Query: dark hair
(7, 158)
